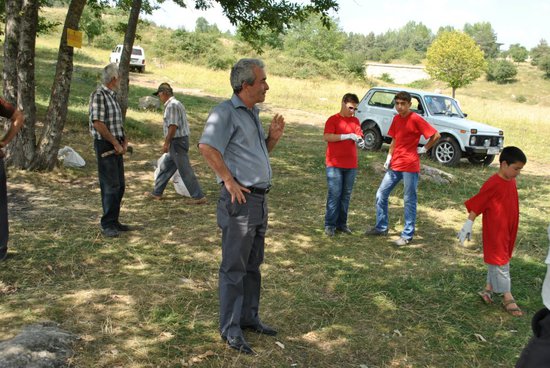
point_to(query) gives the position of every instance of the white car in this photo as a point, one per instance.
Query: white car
(460, 137)
(137, 59)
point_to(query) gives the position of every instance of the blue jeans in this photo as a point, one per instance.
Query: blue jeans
(390, 180)
(340, 184)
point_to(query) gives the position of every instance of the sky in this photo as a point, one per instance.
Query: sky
(523, 22)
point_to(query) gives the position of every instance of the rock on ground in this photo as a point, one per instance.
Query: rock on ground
(41, 345)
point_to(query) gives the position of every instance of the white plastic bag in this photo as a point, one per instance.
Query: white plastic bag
(70, 157)
(179, 185)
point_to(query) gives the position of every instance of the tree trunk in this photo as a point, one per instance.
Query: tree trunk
(454, 90)
(24, 145)
(11, 43)
(56, 116)
(124, 65)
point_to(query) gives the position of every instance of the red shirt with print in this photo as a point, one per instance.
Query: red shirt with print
(342, 154)
(406, 131)
(498, 201)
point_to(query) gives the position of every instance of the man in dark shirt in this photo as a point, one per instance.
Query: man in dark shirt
(17, 118)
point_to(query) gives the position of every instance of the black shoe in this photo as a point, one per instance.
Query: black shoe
(239, 343)
(110, 232)
(345, 230)
(261, 329)
(376, 232)
(122, 227)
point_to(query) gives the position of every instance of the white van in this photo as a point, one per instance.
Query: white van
(137, 59)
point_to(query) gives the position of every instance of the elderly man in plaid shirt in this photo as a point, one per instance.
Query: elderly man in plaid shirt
(176, 144)
(110, 145)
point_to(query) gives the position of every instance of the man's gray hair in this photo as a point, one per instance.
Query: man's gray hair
(109, 72)
(243, 71)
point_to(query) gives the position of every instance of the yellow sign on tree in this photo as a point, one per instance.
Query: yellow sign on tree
(74, 38)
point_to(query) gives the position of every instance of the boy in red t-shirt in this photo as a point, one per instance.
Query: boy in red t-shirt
(403, 163)
(498, 201)
(342, 132)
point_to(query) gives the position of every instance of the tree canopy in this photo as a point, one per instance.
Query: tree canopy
(455, 58)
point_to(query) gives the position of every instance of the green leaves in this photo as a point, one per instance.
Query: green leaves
(455, 58)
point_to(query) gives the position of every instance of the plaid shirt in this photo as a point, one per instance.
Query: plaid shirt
(174, 114)
(105, 108)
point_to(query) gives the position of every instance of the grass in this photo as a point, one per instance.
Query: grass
(149, 298)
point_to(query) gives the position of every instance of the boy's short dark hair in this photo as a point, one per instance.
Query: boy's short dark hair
(403, 96)
(512, 155)
(350, 97)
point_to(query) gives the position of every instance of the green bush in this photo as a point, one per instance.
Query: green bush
(424, 84)
(220, 60)
(105, 41)
(501, 71)
(386, 78)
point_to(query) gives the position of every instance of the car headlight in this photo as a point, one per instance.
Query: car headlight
(472, 140)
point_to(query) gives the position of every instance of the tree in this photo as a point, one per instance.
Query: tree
(544, 65)
(539, 52)
(518, 53)
(485, 37)
(501, 71)
(304, 38)
(91, 23)
(456, 59)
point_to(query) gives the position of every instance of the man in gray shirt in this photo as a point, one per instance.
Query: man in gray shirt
(236, 148)
(176, 144)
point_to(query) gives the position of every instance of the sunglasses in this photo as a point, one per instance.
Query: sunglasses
(351, 108)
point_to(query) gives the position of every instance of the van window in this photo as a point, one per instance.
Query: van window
(136, 51)
(116, 47)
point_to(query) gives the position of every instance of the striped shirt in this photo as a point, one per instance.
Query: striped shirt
(174, 114)
(105, 108)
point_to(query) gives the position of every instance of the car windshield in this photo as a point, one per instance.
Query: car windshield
(441, 105)
(136, 51)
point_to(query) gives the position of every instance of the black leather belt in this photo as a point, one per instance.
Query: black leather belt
(258, 190)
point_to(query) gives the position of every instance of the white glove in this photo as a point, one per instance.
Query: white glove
(351, 136)
(387, 163)
(465, 232)
(361, 143)
(421, 150)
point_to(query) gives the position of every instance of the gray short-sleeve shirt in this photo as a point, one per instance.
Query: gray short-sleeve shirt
(237, 133)
(174, 114)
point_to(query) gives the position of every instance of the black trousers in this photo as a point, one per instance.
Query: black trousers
(111, 181)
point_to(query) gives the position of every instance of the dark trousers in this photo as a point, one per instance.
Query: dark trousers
(243, 234)
(178, 159)
(111, 181)
(4, 227)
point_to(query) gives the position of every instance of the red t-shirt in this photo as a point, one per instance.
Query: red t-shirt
(342, 154)
(406, 132)
(498, 201)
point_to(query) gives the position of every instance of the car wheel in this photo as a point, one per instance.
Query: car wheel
(446, 151)
(372, 136)
(485, 160)
(142, 69)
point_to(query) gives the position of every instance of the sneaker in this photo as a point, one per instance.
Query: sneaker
(345, 230)
(152, 196)
(329, 231)
(402, 241)
(374, 231)
(197, 200)
(110, 232)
